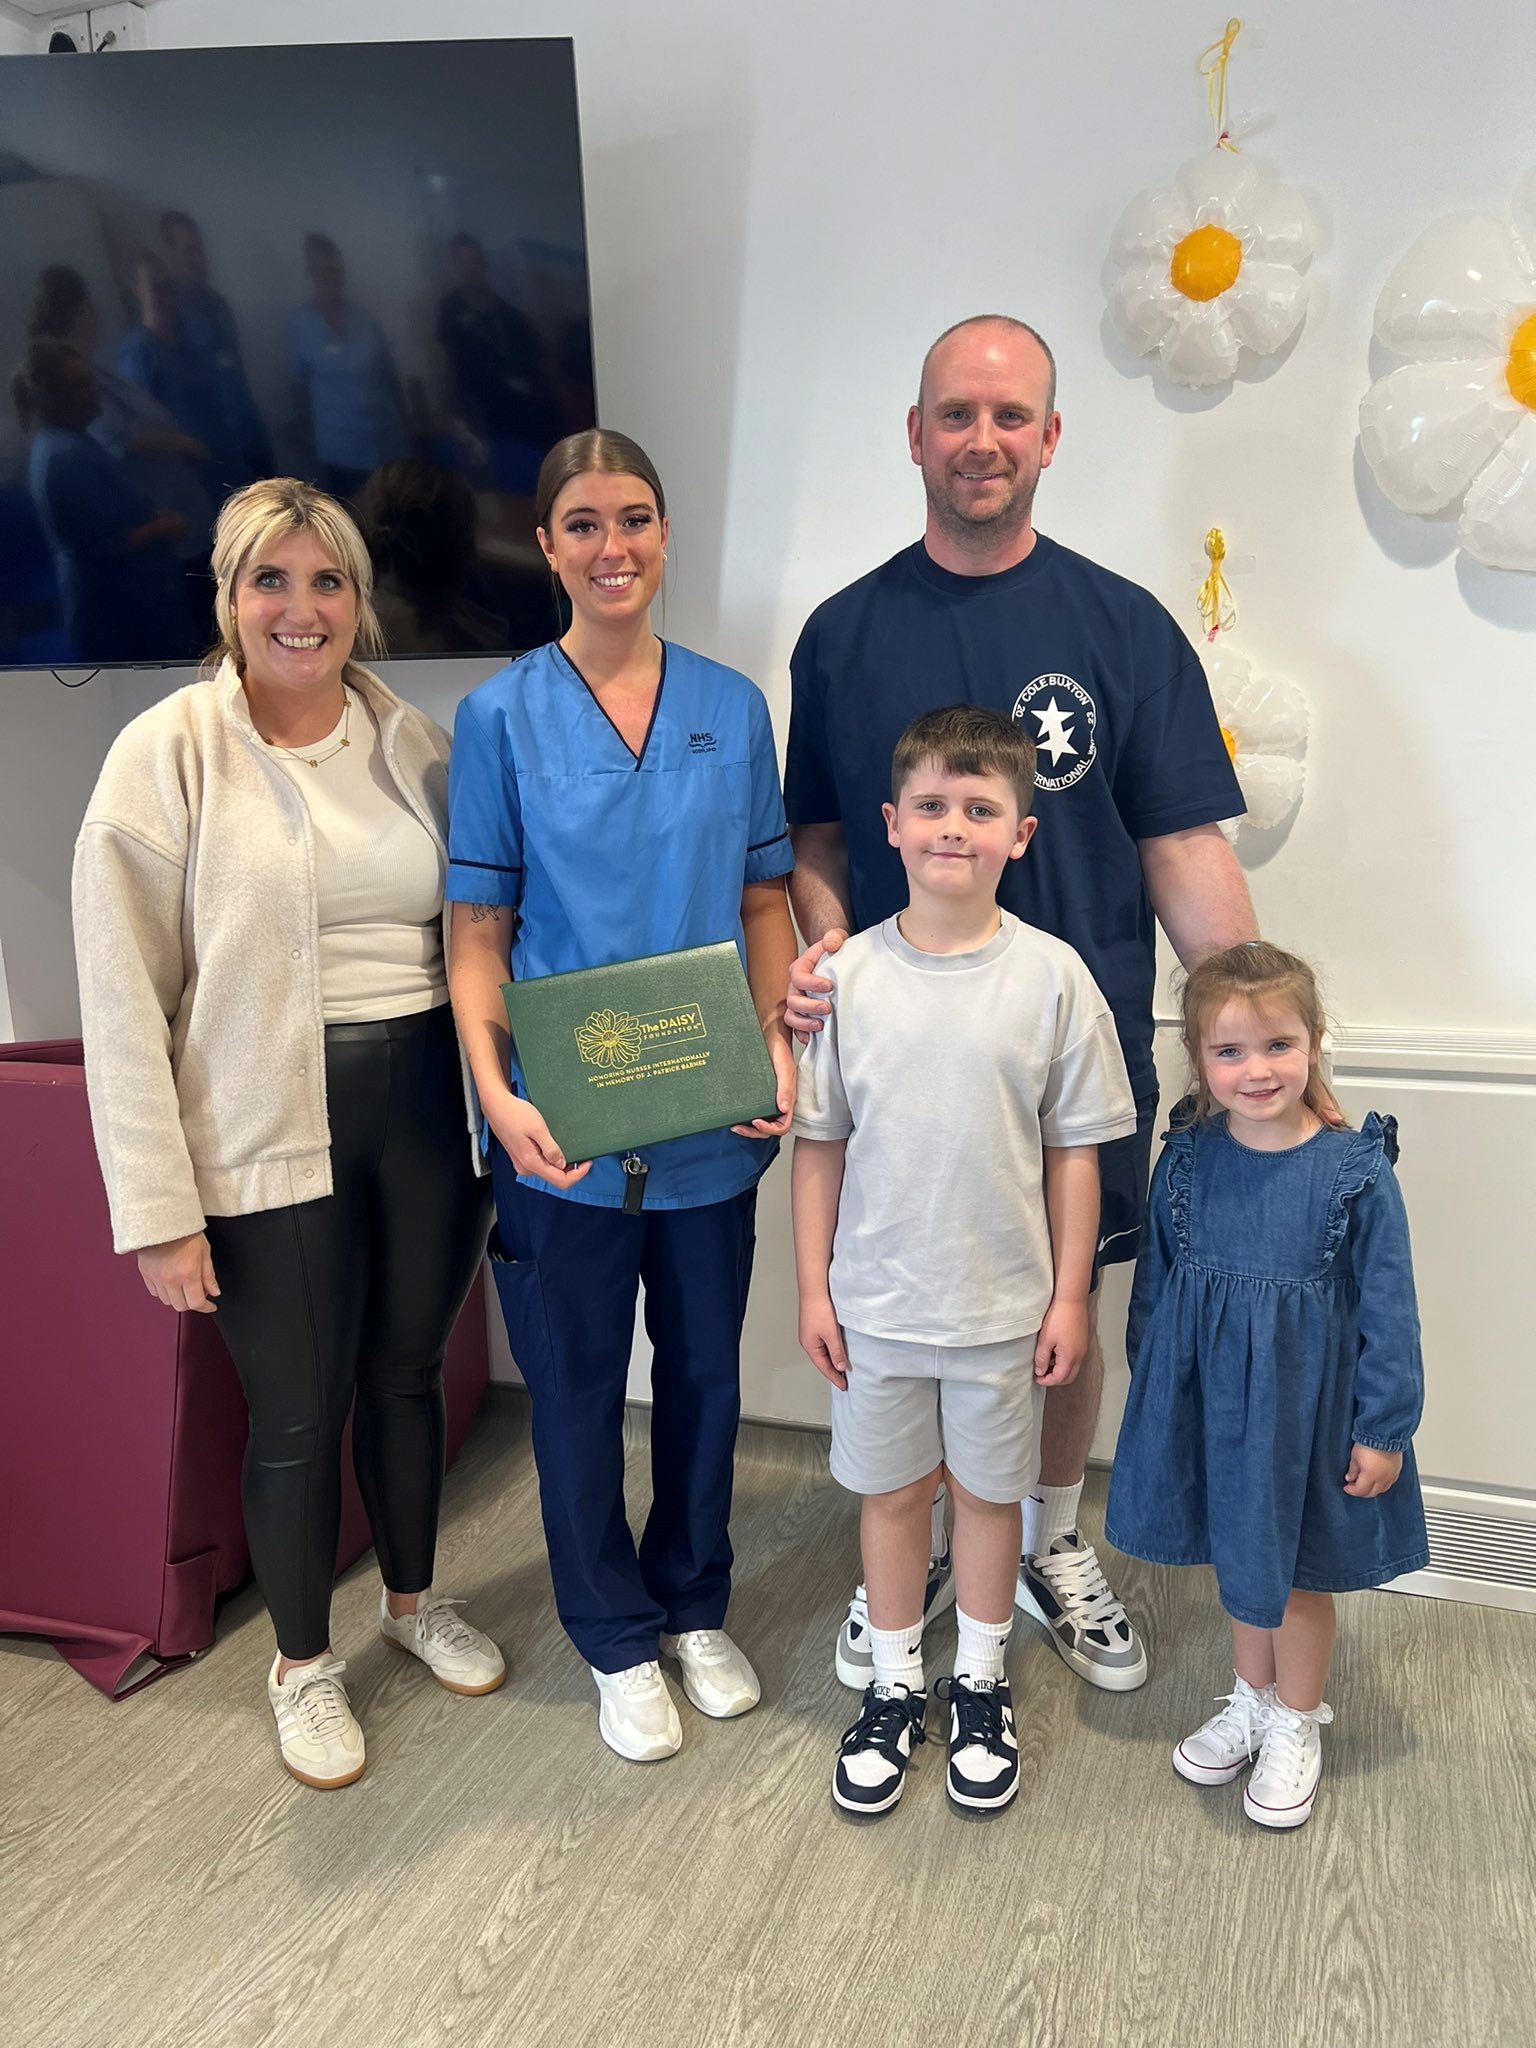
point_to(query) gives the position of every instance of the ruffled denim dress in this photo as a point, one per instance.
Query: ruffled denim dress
(1273, 1326)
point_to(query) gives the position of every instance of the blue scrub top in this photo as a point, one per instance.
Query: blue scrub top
(606, 857)
(354, 405)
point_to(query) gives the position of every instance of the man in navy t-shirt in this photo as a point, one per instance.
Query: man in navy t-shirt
(1133, 775)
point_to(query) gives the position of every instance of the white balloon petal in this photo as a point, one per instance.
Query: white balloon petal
(1271, 790)
(1457, 292)
(1145, 304)
(1264, 719)
(1150, 226)
(1201, 348)
(1428, 428)
(1200, 306)
(1498, 520)
(1458, 421)
(1266, 305)
(1278, 225)
(1218, 187)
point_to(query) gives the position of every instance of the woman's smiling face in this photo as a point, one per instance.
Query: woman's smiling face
(295, 611)
(606, 541)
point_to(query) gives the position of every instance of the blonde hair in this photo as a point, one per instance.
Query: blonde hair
(273, 510)
(1265, 978)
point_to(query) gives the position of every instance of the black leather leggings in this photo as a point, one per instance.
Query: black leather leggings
(355, 1294)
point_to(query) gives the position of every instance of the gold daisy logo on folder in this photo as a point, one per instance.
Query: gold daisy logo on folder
(609, 1038)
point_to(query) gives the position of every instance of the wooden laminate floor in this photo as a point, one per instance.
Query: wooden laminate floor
(498, 1877)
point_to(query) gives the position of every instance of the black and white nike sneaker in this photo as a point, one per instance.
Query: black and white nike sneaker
(983, 1774)
(871, 1772)
(854, 1660)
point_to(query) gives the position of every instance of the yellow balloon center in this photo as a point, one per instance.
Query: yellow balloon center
(1229, 740)
(1205, 264)
(1520, 370)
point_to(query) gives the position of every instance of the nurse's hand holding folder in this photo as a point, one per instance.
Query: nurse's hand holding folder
(617, 835)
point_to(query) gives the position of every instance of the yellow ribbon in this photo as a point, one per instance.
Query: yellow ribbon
(1212, 67)
(1218, 607)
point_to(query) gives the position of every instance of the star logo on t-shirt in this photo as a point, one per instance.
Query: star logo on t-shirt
(1065, 716)
(1055, 734)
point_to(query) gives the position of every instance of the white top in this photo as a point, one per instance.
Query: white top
(378, 876)
(947, 1073)
(198, 945)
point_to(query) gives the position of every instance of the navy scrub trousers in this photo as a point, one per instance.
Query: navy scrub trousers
(567, 1274)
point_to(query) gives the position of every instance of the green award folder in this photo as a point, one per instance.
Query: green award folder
(615, 1058)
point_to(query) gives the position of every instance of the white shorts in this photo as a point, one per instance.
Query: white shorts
(976, 1407)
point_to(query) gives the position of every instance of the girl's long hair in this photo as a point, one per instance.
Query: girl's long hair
(1265, 978)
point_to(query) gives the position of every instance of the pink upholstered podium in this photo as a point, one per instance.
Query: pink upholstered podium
(122, 1426)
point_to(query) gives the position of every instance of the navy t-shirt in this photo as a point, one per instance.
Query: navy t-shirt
(1101, 679)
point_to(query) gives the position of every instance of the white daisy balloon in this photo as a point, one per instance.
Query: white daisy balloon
(1264, 723)
(1456, 424)
(1212, 265)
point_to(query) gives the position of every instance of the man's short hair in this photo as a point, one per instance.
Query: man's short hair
(993, 320)
(967, 739)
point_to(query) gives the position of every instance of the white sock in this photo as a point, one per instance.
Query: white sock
(979, 1650)
(1049, 1512)
(898, 1655)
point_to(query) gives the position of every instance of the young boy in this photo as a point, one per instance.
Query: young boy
(946, 1198)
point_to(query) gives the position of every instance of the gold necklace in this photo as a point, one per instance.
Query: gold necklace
(314, 760)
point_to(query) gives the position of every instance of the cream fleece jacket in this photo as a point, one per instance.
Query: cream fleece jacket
(198, 947)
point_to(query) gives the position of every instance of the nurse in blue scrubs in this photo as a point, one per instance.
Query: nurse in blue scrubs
(611, 796)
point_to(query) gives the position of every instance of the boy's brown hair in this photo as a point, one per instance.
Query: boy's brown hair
(967, 739)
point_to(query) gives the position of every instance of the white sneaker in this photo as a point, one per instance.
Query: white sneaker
(1284, 1782)
(1229, 1741)
(636, 1715)
(322, 1744)
(458, 1656)
(716, 1676)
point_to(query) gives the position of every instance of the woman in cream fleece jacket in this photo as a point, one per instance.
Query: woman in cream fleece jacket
(275, 1085)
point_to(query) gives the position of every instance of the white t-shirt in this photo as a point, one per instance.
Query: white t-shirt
(378, 877)
(948, 1073)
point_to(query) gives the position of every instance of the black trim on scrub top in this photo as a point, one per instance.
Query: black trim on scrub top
(661, 683)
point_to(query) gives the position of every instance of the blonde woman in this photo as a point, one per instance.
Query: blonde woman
(275, 1083)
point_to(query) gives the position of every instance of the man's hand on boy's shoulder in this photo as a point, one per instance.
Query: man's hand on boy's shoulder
(805, 1007)
(821, 1339)
(1062, 1344)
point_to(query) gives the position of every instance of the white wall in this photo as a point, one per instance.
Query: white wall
(785, 204)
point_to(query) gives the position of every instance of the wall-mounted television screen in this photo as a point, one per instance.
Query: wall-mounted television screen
(362, 265)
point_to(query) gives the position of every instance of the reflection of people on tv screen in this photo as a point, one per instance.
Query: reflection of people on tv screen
(208, 330)
(156, 357)
(112, 548)
(419, 522)
(500, 371)
(351, 408)
(156, 454)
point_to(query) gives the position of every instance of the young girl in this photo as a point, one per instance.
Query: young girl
(1276, 1379)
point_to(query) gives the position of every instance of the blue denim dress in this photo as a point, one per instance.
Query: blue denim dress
(1273, 1325)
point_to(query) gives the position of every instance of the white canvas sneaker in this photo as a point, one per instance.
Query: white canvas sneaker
(716, 1676)
(636, 1715)
(322, 1744)
(458, 1656)
(1285, 1778)
(1229, 1741)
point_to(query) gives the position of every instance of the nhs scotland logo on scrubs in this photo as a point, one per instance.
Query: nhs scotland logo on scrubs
(1063, 716)
(701, 743)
